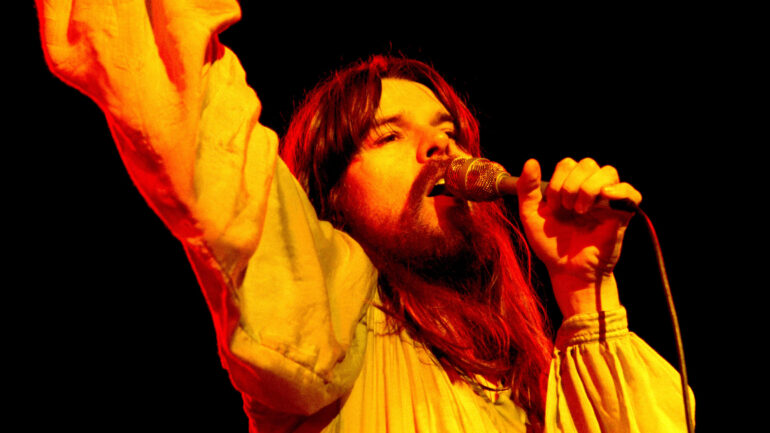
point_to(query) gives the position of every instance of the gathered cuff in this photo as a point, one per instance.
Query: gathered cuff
(592, 327)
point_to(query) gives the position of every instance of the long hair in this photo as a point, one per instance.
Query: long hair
(497, 330)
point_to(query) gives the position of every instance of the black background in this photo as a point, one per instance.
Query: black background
(111, 330)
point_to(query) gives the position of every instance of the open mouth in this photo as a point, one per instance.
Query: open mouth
(438, 189)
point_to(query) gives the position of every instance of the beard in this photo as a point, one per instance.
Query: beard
(460, 256)
(457, 253)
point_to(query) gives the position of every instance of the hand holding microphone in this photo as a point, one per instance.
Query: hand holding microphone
(580, 259)
(573, 231)
(479, 179)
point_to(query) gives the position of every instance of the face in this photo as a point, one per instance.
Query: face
(384, 192)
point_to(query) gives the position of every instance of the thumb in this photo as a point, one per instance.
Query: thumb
(528, 187)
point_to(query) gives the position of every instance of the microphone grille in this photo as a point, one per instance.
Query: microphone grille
(474, 179)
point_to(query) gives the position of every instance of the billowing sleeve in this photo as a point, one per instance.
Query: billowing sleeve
(606, 379)
(285, 290)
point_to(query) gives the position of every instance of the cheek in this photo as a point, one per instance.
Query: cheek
(361, 195)
(376, 185)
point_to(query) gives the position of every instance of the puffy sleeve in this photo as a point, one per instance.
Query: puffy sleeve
(606, 379)
(285, 290)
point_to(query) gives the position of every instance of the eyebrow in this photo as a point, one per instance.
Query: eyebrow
(394, 119)
(442, 117)
(398, 118)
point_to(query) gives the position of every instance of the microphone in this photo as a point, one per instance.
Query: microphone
(479, 179)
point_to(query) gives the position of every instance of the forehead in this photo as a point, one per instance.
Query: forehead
(406, 97)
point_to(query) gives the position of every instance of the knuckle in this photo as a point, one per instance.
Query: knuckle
(570, 188)
(611, 172)
(588, 163)
(589, 189)
(566, 163)
(632, 192)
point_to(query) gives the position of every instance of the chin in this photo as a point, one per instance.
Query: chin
(449, 214)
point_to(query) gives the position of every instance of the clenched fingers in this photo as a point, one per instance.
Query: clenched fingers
(576, 186)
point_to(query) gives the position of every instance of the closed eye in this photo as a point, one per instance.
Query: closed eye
(384, 134)
(387, 138)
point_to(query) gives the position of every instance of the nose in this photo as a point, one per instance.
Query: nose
(435, 146)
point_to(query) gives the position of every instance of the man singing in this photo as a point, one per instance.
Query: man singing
(347, 295)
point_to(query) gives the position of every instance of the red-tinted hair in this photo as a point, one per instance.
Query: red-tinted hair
(498, 330)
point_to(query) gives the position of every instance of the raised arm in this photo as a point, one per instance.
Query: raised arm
(286, 291)
(164, 89)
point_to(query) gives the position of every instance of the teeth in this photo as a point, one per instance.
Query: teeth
(438, 188)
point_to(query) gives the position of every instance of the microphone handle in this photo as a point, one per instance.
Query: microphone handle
(506, 185)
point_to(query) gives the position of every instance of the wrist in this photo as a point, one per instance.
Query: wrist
(579, 296)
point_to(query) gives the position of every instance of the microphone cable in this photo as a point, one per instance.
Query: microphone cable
(479, 179)
(672, 312)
